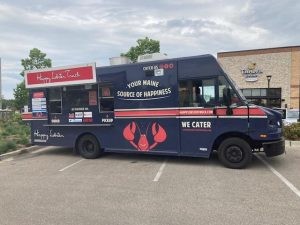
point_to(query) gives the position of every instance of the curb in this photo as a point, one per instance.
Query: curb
(19, 152)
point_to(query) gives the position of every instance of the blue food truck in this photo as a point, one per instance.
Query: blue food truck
(183, 107)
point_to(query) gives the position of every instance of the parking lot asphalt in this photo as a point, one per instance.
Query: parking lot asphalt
(53, 186)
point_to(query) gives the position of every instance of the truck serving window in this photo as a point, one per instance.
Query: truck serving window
(106, 98)
(81, 96)
(197, 93)
(77, 96)
(55, 103)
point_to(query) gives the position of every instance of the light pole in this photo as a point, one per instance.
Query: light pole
(268, 94)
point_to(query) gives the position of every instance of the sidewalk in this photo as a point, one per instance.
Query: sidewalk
(289, 143)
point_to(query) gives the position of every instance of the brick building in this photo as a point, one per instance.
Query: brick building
(250, 69)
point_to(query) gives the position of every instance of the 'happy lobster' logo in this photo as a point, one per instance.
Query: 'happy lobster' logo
(158, 132)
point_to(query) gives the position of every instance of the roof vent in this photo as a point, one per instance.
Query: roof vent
(119, 60)
(152, 57)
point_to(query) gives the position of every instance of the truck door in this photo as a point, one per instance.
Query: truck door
(209, 108)
(197, 99)
(231, 109)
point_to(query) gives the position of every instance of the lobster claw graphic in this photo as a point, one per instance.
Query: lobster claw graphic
(159, 135)
(128, 133)
(158, 132)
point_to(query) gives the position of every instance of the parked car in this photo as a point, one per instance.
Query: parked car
(292, 116)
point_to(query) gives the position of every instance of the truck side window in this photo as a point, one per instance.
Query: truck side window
(55, 102)
(106, 98)
(197, 93)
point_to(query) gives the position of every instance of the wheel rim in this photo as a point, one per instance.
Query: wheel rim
(234, 154)
(88, 146)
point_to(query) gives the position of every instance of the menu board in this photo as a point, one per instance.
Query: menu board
(39, 105)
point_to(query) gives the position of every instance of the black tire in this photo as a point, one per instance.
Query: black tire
(88, 147)
(235, 153)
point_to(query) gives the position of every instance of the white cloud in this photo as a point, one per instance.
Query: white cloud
(73, 32)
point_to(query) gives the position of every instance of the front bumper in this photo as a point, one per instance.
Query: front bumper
(274, 148)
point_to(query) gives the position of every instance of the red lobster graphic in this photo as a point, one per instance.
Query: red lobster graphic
(159, 136)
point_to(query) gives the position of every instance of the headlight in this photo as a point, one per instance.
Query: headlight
(274, 123)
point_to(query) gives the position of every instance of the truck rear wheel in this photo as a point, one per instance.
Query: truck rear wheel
(89, 147)
(235, 153)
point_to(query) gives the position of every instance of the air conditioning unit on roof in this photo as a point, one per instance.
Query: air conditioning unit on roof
(152, 57)
(119, 60)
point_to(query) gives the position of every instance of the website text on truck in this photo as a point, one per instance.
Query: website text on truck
(183, 107)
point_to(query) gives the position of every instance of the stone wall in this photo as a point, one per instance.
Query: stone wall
(276, 64)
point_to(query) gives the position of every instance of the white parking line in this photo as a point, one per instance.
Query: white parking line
(282, 178)
(160, 171)
(67, 167)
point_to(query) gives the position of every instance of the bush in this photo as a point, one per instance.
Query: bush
(7, 146)
(24, 140)
(10, 130)
(292, 132)
(3, 147)
(4, 133)
(13, 133)
(11, 145)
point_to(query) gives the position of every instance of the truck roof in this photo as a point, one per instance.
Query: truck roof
(205, 65)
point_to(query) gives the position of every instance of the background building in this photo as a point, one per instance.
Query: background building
(269, 77)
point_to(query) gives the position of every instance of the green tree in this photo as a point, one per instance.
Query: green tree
(8, 103)
(21, 95)
(37, 60)
(144, 46)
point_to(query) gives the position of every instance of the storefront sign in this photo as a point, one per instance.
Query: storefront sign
(79, 74)
(251, 72)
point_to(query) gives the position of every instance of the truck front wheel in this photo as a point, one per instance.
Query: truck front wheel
(235, 153)
(89, 147)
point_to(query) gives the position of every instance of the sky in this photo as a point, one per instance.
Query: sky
(77, 31)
